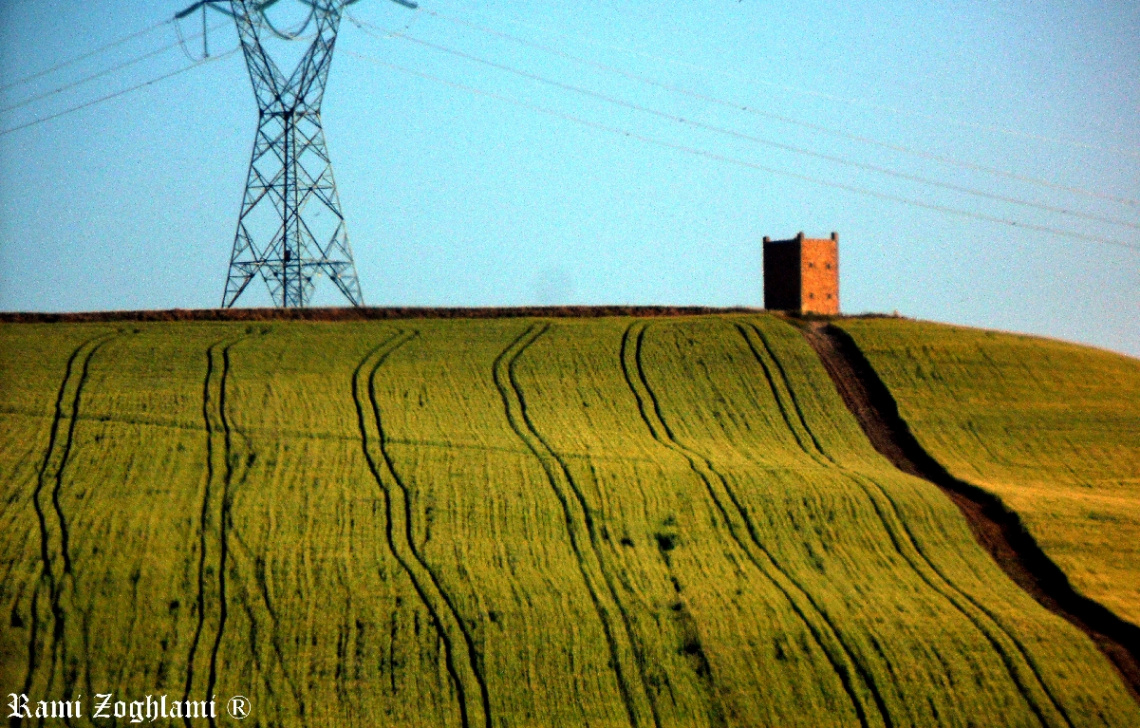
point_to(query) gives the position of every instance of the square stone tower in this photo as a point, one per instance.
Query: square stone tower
(801, 275)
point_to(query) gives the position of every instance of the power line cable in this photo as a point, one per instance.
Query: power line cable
(751, 165)
(993, 128)
(765, 142)
(117, 94)
(85, 56)
(100, 74)
(942, 159)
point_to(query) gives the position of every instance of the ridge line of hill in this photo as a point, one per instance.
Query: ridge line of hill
(367, 313)
(996, 528)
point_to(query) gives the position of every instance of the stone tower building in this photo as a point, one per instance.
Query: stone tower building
(802, 275)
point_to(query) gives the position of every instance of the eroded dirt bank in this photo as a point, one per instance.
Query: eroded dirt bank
(996, 528)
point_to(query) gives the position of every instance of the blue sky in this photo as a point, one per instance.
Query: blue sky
(455, 198)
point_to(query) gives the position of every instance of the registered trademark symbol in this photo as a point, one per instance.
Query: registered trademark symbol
(238, 707)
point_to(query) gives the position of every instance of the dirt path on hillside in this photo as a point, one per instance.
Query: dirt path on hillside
(995, 527)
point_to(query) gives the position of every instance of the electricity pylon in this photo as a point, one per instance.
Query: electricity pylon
(290, 229)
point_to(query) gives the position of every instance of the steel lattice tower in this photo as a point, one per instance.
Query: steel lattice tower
(290, 229)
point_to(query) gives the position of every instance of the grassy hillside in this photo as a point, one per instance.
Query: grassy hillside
(611, 522)
(1051, 428)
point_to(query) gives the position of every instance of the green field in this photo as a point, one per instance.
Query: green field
(1051, 428)
(506, 522)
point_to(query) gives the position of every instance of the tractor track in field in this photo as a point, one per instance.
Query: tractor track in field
(907, 546)
(425, 581)
(996, 528)
(56, 457)
(826, 637)
(224, 522)
(203, 523)
(47, 575)
(589, 558)
(213, 415)
(275, 625)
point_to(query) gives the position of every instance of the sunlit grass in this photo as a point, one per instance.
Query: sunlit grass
(1051, 428)
(508, 522)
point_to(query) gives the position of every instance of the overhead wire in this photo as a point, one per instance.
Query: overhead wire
(100, 74)
(117, 94)
(746, 108)
(695, 151)
(126, 64)
(602, 127)
(758, 140)
(85, 56)
(1006, 131)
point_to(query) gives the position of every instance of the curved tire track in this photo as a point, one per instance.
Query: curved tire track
(203, 522)
(426, 582)
(1018, 662)
(225, 521)
(869, 706)
(214, 514)
(47, 574)
(622, 644)
(56, 457)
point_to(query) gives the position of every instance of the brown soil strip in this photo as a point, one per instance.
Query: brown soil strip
(364, 313)
(998, 529)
